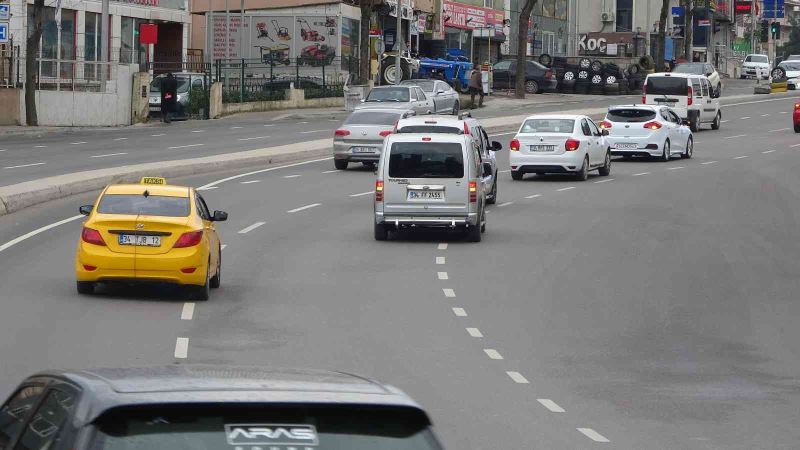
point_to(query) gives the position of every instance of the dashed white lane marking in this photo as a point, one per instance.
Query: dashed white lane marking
(253, 138)
(303, 208)
(795, 145)
(291, 176)
(449, 293)
(250, 182)
(504, 171)
(251, 227)
(188, 311)
(492, 353)
(440, 260)
(182, 347)
(640, 174)
(35, 146)
(534, 196)
(77, 143)
(767, 151)
(270, 169)
(783, 112)
(593, 435)
(459, 312)
(708, 162)
(303, 123)
(779, 129)
(185, 146)
(198, 131)
(551, 405)
(333, 120)
(33, 233)
(442, 275)
(734, 137)
(313, 131)
(565, 189)
(236, 128)
(725, 121)
(517, 377)
(360, 194)
(744, 118)
(222, 247)
(207, 188)
(159, 134)
(676, 168)
(604, 181)
(108, 154)
(741, 157)
(505, 204)
(332, 171)
(474, 332)
(24, 165)
(765, 115)
(121, 139)
(270, 125)
(442, 246)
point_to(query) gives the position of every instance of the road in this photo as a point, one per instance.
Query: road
(656, 308)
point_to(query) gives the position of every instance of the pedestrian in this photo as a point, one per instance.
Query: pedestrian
(475, 87)
(169, 93)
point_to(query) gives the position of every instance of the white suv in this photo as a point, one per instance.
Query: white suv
(690, 96)
(754, 62)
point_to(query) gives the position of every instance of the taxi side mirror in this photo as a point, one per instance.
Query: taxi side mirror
(685, 122)
(219, 216)
(604, 132)
(496, 146)
(86, 209)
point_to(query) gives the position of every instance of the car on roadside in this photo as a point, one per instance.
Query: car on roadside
(463, 124)
(647, 130)
(755, 63)
(538, 78)
(791, 70)
(701, 68)
(189, 407)
(559, 143)
(690, 96)
(360, 138)
(150, 232)
(445, 98)
(186, 82)
(398, 97)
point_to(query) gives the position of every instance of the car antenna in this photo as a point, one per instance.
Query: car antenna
(146, 193)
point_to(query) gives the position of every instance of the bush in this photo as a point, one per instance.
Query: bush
(197, 100)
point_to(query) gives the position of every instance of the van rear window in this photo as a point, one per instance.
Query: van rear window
(630, 115)
(666, 86)
(426, 160)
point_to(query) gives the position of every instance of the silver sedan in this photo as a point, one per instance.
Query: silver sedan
(360, 138)
(399, 97)
(445, 98)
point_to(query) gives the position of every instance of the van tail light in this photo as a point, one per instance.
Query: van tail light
(572, 144)
(644, 93)
(653, 125)
(378, 190)
(473, 191)
(605, 124)
(341, 132)
(92, 236)
(189, 239)
(514, 145)
(385, 133)
(689, 94)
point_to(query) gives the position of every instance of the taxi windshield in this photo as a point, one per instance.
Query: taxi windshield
(151, 205)
(319, 428)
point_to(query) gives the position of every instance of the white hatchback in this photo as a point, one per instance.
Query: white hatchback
(647, 130)
(559, 143)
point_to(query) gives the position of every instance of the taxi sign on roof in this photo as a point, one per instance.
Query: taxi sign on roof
(153, 180)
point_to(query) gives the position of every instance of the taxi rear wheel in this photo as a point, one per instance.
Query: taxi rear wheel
(216, 280)
(85, 287)
(201, 293)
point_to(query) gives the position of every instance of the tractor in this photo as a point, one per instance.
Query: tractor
(454, 69)
(308, 33)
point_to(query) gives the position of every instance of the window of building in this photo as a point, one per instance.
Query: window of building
(130, 49)
(624, 15)
(55, 46)
(488, 4)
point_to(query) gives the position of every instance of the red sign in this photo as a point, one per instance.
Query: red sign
(471, 17)
(148, 33)
(744, 7)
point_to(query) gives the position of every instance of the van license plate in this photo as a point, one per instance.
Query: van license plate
(141, 241)
(425, 195)
(627, 146)
(363, 149)
(543, 148)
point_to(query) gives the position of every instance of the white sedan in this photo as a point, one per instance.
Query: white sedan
(559, 143)
(647, 130)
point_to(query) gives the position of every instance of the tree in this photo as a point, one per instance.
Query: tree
(662, 33)
(792, 46)
(363, 45)
(31, 51)
(522, 47)
(688, 6)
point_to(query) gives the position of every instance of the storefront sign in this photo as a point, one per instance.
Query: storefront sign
(598, 43)
(471, 17)
(148, 33)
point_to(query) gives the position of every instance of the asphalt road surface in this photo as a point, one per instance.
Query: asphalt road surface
(654, 309)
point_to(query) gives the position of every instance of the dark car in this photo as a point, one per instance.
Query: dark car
(203, 407)
(538, 78)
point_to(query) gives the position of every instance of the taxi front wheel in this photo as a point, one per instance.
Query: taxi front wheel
(85, 287)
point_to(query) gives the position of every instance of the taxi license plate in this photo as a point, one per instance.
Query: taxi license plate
(363, 149)
(141, 241)
(415, 194)
(543, 148)
(627, 146)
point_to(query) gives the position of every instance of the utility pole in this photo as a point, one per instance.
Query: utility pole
(210, 33)
(104, 40)
(241, 28)
(753, 28)
(710, 35)
(398, 42)
(227, 30)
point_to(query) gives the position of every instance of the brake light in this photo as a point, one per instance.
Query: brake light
(689, 96)
(426, 139)
(644, 93)
(385, 133)
(92, 236)
(605, 124)
(548, 74)
(473, 191)
(89, 268)
(188, 269)
(378, 190)
(572, 144)
(189, 239)
(797, 106)
(653, 125)
(514, 145)
(341, 132)
(466, 128)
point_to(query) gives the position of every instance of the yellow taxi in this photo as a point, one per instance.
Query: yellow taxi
(150, 232)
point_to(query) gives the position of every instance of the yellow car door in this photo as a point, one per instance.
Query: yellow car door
(211, 232)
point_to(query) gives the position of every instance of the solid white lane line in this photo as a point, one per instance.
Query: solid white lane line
(640, 174)
(676, 168)
(505, 204)
(250, 182)
(222, 247)
(551, 405)
(188, 311)
(24, 165)
(361, 194)
(734, 137)
(303, 208)
(459, 312)
(440, 260)
(779, 129)
(198, 131)
(565, 189)
(442, 246)
(474, 332)
(182, 347)
(492, 353)
(291, 176)
(332, 171)
(604, 181)
(313, 131)
(534, 196)
(741, 157)
(251, 227)
(767, 151)
(121, 139)
(744, 118)
(185, 146)
(449, 292)
(593, 435)
(77, 143)
(109, 154)
(442, 275)
(517, 377)
(708, 162)
(253, 138)
(33, 233)
(207, 188)
(270, 169)
(159, 134)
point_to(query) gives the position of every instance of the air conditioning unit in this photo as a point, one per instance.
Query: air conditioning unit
(607, 16)
(407, 12)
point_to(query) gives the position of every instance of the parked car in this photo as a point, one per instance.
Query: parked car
(398, 97)
(360, 138)
(690, 96)
(186, 81)
(445, 98)
(791, 70)
(647, 130)
(538, 78)
(700, 68)
(754, 62)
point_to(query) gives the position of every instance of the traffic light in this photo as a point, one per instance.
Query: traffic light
(764, 31)
(775, 29)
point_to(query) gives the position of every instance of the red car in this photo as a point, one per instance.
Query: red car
(796, 118)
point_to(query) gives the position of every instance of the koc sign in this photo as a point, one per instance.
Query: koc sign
(592, 45)
(597, 43)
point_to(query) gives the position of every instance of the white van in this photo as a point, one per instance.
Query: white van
(690, 96)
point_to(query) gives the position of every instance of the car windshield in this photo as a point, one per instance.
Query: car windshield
(548, 126)
(693, 68)
(426, 160)
(373, 118)
(426, 86)
(398, 94)
(793, 66)
(757, 58)
(430, 129)
(666, 86)
(318, 428)
(630, 115)
(183, 84)
(151, 205)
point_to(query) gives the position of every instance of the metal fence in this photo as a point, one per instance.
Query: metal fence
(72, 75)
(9, 65)
(269, 77)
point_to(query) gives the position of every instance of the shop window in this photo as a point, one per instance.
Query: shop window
(54, 46)
(624, 15)
(130, 49)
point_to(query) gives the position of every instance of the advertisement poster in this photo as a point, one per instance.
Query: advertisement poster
(232, 30)
(471, 17)
(317, 38)
(273, 40)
